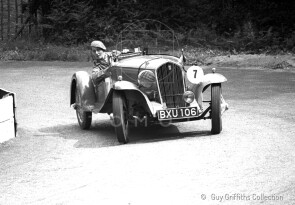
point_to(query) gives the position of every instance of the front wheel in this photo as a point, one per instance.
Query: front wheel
(120, 115)
(84, 117)
(216, 108)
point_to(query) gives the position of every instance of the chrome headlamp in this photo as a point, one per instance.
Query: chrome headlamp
(146, 78)
(188, 96)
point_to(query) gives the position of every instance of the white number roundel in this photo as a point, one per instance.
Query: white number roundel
(195, 74)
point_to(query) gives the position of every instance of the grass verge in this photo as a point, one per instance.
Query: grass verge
(23, 50)
(37, 51)
(28, 50)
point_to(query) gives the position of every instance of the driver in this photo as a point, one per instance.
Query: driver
(102, 60)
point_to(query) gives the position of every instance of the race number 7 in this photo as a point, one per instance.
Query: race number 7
(195, 74)
(195, 71)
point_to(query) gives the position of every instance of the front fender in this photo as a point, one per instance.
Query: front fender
(211, 78)
(81, 82)
(125, 85)
(128, 88)
(205, 82)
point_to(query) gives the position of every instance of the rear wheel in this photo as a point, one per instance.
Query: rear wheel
(84, 117)
(120, 114)
(216, 108)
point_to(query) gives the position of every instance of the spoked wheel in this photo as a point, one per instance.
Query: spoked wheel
(84, 117)
(120, 114)
(216, 108)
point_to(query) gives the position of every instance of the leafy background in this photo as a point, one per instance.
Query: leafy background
(232, 24)
(212, 26)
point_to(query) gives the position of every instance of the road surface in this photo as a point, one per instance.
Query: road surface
(52, 161)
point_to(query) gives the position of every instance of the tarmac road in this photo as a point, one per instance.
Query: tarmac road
(52, 161)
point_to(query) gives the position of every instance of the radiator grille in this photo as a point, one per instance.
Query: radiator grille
(171, 85)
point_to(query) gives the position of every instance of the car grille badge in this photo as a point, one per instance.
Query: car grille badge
(164, 105)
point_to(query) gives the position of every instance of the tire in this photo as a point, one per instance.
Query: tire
(120, 115)
(84, 117)
(216, 108)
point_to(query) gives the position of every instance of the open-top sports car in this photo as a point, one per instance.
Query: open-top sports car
(145, 88)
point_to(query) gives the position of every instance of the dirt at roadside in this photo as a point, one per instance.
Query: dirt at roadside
(277, 62)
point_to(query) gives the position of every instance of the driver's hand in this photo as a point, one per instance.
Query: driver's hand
(115, 53)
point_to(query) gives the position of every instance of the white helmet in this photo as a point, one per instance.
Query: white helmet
(98, 44)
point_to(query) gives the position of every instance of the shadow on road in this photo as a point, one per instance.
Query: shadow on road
(103, 134)
(158, 133)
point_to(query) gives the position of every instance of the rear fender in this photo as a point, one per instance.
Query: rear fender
(82, 82)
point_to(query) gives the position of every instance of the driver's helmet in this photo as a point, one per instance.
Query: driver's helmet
(98, 44)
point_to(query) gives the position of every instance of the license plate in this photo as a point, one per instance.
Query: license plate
(177, 113)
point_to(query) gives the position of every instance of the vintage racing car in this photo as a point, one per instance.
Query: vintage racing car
(147, 88)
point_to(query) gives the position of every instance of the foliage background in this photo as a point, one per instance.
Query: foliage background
(207, 27)
(231, 24)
